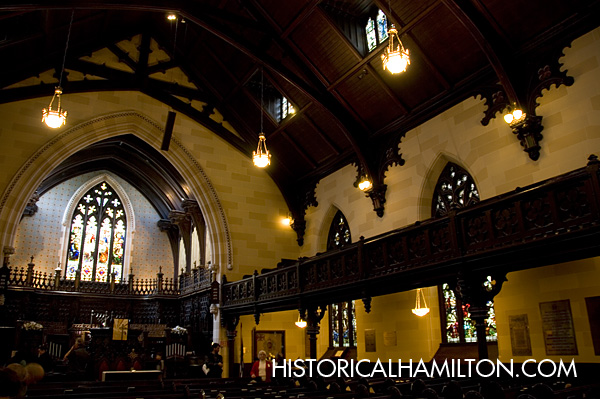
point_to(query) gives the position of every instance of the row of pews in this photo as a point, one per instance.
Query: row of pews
(319, 388)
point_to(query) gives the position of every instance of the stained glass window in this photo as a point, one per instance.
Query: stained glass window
(376, 29)
(339, 232)
(382, 28)
(97, 236)
(459, 326)
(456, 189)
(371, 35)
(342, 316)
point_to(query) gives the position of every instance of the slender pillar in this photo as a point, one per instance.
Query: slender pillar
(313, 317)
(231, 323)
(474, 289)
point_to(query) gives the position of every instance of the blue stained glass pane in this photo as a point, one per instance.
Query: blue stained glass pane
(382, 28)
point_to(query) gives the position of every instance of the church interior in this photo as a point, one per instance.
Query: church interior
(400, 181)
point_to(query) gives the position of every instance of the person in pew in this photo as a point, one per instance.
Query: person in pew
(78, 359)
(44, 359)
(262, 368)
(213, 364)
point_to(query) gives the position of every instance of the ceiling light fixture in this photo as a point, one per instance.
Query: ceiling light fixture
(171, 17)
(261, 156)
(396, 58)
(57, 117)
(420, 310)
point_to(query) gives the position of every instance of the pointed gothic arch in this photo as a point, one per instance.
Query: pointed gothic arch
(54, 152)
(70, 209)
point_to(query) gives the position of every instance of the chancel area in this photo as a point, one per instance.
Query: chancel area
(401, 197)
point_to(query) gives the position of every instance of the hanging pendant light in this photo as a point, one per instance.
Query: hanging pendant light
(396, 58)
(261, 156)
(54, 117)
(57, 117)
(420, 309)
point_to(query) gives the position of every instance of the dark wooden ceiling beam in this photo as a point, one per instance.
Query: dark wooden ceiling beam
(489, 42)
(299, 18)
(301, 151)
(401, 31)
(289, 121)
(122, 56)
(200, 117)
(345, 119)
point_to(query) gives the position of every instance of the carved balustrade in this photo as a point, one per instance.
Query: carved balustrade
(545, 223)
(42, 281)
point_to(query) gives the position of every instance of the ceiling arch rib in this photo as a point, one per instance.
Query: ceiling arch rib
(133, 160)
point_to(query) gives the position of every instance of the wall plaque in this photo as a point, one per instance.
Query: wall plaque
(390, 338)
(520, 340)
(370, 340)
(557, 325)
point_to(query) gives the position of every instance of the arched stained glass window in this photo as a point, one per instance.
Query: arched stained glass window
(342, 315)
(456, 189)
(97, 236)
(339, 232)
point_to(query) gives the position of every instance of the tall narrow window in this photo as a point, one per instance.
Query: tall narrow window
(342, 315)
(97, 236)
(456, 189)
(376, 29)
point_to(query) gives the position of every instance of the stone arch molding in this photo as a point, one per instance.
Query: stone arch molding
(129, 213)
(66, 143)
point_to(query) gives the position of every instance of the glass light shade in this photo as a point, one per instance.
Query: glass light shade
(54, 118)
(364, 185)
(420, 309)
(396, 58)
(300, 323)
(261, 156)
(286, 221)
(517, 114)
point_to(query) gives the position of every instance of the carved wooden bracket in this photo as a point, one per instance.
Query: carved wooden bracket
(529, 84)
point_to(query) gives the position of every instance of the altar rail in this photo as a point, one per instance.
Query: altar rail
(546, 223)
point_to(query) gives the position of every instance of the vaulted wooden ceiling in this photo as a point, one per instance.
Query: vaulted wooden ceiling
(348, 109)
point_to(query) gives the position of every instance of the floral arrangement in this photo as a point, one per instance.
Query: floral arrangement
(32, 325)
(179, 330)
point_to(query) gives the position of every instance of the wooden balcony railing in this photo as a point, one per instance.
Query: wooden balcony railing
(549, 222)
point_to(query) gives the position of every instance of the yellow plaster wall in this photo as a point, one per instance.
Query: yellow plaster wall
(524, 291)
(416, 337)
(251, 201)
